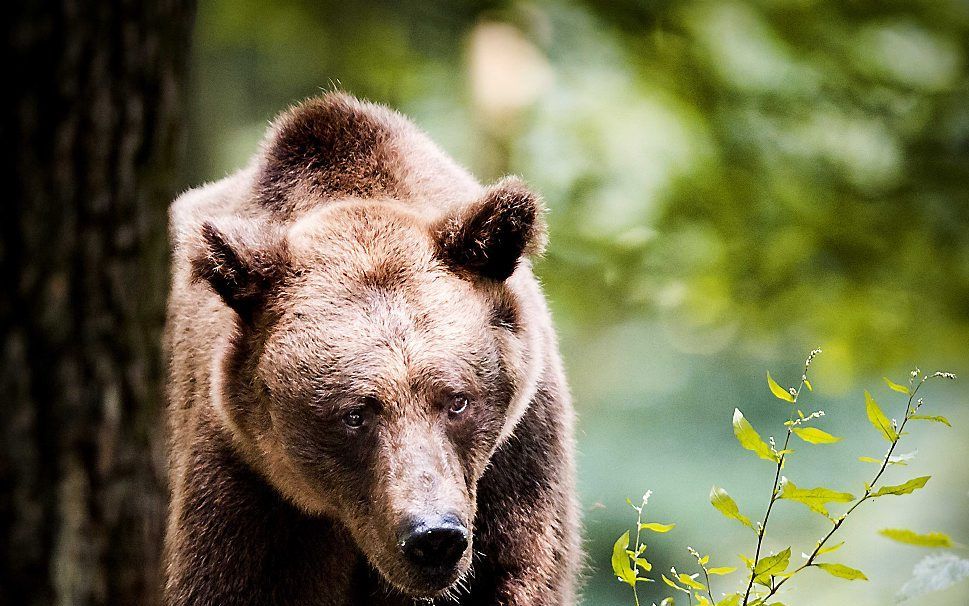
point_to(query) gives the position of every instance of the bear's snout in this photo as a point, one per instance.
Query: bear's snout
(434, 544)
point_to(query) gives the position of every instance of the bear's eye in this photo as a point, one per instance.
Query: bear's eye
(354, 419)
(458, 405)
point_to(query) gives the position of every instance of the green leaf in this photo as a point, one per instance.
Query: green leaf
(778, 391)
(674, 585)
(620, 561)
(721, 570)
(899, 388)
(813, 435)
(932, 539)
(657, 527)
(749, 438)
(773, 564)
(843, 572)
(878, 419)
(727, 506)
(808, 385)
(769, 566)
(730, 600)
(747, 561)
(870, 460)
(935, 418)
(668, 602)
(815, 498)
(906, 488)
(690, 582)
(830, 549)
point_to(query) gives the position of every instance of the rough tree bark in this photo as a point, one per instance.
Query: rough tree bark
(91, 125)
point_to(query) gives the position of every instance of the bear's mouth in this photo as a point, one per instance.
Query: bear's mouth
(434, 580)
(426, 581)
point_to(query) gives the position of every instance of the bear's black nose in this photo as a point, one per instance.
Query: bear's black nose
(434, 542)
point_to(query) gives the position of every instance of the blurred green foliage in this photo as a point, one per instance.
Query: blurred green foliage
(730, 184)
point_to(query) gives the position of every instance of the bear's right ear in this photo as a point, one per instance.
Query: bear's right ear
(242, 261)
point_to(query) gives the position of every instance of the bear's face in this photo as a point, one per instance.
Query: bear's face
(377, 356)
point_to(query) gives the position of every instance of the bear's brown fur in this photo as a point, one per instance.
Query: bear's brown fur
(362, 366)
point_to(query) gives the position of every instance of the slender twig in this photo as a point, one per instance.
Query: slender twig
(709, 587)
(703, 567)
(639, 529)
(777, 476)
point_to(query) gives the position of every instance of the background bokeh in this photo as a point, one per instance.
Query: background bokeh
(730, 184)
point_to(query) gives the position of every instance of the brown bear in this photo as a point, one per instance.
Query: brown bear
(366, 401)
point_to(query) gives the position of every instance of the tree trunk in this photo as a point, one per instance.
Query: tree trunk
(91, 124)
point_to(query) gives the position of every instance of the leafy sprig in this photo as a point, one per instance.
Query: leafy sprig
(768, 573)
(628, 563)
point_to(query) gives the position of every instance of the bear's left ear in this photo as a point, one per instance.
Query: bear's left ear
(490, 236)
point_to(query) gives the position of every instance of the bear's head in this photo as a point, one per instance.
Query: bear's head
(379, 358)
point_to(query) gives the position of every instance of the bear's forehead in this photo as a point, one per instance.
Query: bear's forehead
(362, 239)
(365, 312)
(378, 356)
(425, 328)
